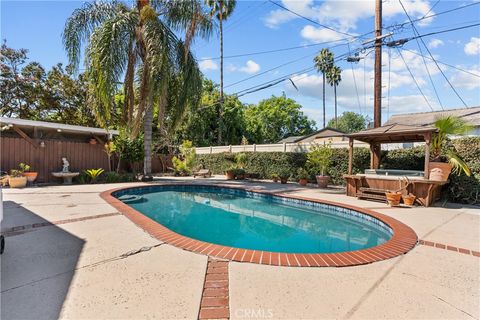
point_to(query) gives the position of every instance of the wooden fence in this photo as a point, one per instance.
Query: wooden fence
(48, 159)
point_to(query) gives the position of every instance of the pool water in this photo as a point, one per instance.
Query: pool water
(267, 223)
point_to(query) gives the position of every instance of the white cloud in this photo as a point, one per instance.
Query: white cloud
(468, 81)
(319, 34)
(473, 47)
(249, 68)
(435, 43)
(207, 65)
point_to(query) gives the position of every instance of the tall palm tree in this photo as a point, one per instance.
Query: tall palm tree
(221, 9)
(136, 47)
(323, 63)
(334, 76)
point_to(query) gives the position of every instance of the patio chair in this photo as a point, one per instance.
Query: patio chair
(206, 173)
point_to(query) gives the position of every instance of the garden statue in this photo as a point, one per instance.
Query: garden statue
(66, 164)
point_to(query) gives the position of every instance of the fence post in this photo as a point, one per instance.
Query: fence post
(211, 150)
(230, 148)
(284, 147)
(254, 147)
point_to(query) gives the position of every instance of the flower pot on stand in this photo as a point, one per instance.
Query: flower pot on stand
(393, 198)
(92, 141)
(31, 176)
(302, 182)
(439, 171)
(17, 182)
(322, 181)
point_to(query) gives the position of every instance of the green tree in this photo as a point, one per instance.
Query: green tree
(136, 46)
(221, 9)
(349, 122)
(334, 76)
(323, 63)
(276, 118)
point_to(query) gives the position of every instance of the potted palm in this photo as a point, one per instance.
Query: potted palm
(230, 173)
(275, 177)
(284, 175)
(16, 179)
(319, 160)
(28, 172)
(302, 175)
(444, 158)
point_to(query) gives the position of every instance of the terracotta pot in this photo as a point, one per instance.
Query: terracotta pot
(322, 181)
(275, 179)
(409, 200)
(17, 182)
(439, 171)
(93, 141)
(230, 175)
(240, 176)
(303, 182)
(31, 176)
(393, 199)
(283, 180)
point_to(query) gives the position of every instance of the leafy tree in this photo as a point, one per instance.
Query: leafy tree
(323, 63)
(221, 9)
(276, 118)
(201, 125)
(137, 46)
(334, 76)
(349, 122)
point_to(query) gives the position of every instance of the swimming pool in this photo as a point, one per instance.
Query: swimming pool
(219, 220)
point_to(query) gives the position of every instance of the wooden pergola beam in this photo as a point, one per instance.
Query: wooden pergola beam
(428, 138)
(25, 136)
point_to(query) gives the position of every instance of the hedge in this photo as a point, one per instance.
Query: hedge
(263, 164)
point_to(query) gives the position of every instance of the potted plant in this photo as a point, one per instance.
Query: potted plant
(408, 199)
(230, 173)
(275, 177)
(93, 174)
(443, 158)
(302, 175)
(28, 172)
(239, 173)
(16, 179)
(92, 141)
(284, 175)
(319, 160)
(393, 198)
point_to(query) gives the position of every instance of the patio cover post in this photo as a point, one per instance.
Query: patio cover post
(374, 155)
(428, 137)
(350, 155)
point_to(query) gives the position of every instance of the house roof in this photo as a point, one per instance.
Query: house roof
(393, 133)
(56, 126)
(326, 132)
(471, 115)
(291, 139)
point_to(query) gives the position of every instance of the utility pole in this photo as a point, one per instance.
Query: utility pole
(377, 104)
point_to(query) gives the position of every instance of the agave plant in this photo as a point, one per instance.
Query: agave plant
(94, 174)
(449, 125)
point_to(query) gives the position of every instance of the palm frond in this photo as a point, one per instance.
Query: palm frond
(82, 23)
(458, 165)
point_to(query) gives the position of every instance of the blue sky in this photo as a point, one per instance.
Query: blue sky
(260, 26)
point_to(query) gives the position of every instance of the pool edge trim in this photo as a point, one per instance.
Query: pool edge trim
(402, 241)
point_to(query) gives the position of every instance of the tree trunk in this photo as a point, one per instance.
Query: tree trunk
(324, 100)
(335, 92)
(220, 109)
(147, 143)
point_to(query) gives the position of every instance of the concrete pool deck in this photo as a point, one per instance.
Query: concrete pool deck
(71, 255)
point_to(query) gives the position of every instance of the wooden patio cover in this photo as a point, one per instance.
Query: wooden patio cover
(393, 133)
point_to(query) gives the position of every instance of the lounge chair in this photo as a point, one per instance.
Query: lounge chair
(206, 173)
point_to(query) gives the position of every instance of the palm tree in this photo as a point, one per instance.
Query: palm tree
(137, 43)
(449, 125)
(323, 63)
(221, 9)
(334, 76)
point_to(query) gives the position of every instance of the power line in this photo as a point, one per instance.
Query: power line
(440, 69)
(355, 82)
(445, 64)
(415, 31)
(431, 8)
(310, 20)
(414, 80)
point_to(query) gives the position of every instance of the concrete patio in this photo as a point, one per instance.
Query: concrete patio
(71, 255)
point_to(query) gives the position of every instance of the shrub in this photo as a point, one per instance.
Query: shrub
(93, 174)
(319, 158)
(184, 164)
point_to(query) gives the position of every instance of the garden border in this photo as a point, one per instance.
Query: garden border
(403, 239)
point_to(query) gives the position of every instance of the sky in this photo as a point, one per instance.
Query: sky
(258, 26)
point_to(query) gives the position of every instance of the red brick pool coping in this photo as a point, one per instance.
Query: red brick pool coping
(403, 239)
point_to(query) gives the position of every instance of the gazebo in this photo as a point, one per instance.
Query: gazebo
(375, 182)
